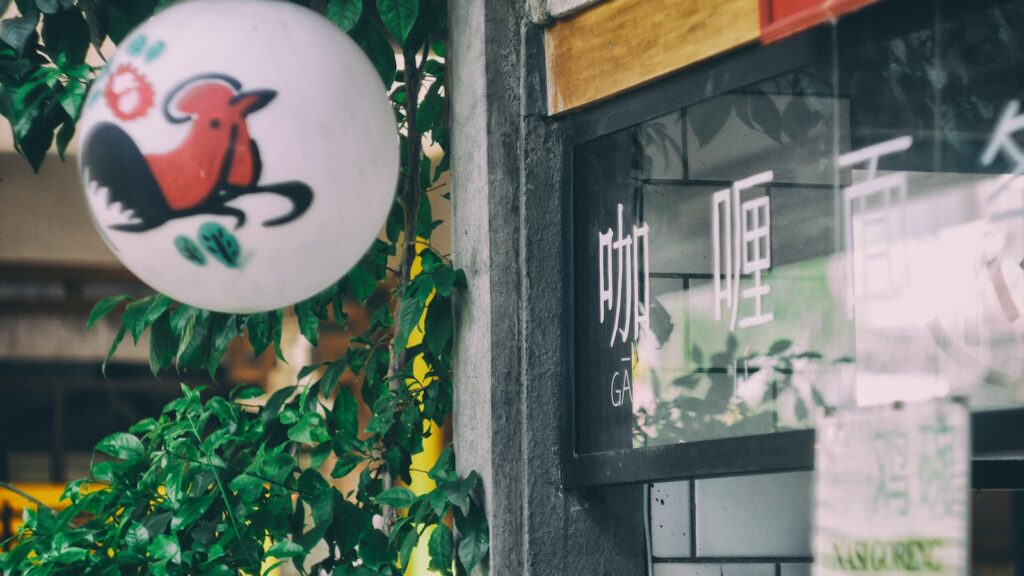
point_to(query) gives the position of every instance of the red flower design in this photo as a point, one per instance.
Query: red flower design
(128, 94)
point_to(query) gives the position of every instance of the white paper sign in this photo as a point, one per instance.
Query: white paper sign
(892, 491)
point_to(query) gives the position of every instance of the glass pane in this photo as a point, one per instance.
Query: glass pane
(848, 232)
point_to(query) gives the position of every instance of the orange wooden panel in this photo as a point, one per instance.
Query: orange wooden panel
(620, 44)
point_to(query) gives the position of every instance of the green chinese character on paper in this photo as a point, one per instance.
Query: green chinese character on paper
(892, 483)
(935, 468)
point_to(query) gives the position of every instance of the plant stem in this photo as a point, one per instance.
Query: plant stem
(410, 201)
(24, 495)
(223, 495)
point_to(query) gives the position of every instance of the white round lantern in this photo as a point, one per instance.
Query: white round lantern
(238, 155)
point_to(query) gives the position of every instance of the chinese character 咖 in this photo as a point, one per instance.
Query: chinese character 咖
(621, 283)
(741, 245)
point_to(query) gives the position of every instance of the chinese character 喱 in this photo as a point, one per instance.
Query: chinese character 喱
(741, 245)
(620, 259)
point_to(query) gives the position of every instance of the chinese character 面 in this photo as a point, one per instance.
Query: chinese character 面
(621, 283)
(873, 269)
(741, 245)
(1002, 142)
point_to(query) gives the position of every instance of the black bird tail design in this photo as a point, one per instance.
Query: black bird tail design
(112, 160)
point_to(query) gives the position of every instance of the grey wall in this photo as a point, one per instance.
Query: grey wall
(507, 234)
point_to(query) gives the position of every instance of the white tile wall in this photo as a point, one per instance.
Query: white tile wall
(670, 520)
(755, 516)
(714, 570)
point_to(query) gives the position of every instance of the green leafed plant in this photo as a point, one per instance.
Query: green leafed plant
(238, 483)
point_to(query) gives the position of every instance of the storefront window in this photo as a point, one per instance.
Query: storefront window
(846, 233)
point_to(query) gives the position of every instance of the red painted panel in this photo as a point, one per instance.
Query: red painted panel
(781, 18)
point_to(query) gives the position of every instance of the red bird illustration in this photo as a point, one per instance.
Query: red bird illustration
(217, 161)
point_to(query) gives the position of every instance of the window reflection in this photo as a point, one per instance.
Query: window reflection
(847, 233)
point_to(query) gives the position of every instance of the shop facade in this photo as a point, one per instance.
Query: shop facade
(691, 229)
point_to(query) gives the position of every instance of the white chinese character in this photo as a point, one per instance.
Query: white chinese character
(880, 226)
(631, 291)
(1002, 141)
(741, 245)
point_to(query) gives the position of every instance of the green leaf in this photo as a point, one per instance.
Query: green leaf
(377, 48)
(458, 492)
(398, 16)
(124, 16)
(345, 414)
(408, 319)
(307, 370)
(319, 455)
(258, 326)
(373, 549)
(243, 392)
(439, 328)
(441, 547)
(430, 108)
(71, 98)
(141, 314)
(161, 344)
(102, 308)
(16, 32)
(224, 329)
(361, 282)
(444, 280)
(346, 464)
(286, 549)
(474, 541)
(123, 446)
(344, 13)
(247, 486)
(113, 348)
(779, 346)
(397, 497)
(66, 36)
(308, 430)
(409, 541)
(48, 6)
(166, 547)
(309, 323)
(64, 136)
(137, 536)
(444, 468)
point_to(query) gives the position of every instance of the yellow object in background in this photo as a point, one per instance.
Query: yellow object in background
(12, 505)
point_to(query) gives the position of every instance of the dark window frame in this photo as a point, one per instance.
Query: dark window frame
(995, 433)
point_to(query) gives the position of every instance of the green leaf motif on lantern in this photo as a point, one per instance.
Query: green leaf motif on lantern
(189, 250)
(137, 45)
(155, 50)
(220, 244)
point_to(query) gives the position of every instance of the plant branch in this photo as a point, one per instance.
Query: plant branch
(223, 495)
(24, 495)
